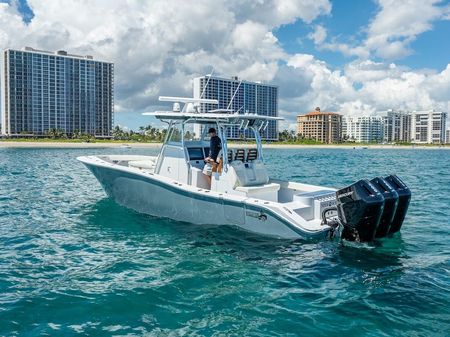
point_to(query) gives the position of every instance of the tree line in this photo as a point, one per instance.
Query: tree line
(153, 134)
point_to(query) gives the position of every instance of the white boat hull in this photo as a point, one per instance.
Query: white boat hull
(159, 196)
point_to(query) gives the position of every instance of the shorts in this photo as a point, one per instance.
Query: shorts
(208, 169)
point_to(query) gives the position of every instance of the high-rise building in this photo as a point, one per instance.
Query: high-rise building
(241, 96)
(397, 126)
(43, 90)
(428, 127)
(365, 129)
(324, 127)
(447, 136)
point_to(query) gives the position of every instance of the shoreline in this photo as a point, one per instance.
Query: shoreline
(79, 145)
(356, 147)
(75, 145)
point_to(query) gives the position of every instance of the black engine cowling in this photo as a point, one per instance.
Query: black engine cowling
(404, 197)
(390, 205)
(372, 209)
(360, 207)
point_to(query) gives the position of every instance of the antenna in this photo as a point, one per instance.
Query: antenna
(207, 82)
(235, 92)
(206, 85)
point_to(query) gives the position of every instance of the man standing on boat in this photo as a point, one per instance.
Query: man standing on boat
(215, 146)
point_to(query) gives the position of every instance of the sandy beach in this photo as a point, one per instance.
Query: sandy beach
(75, 145)
(375, 146)
(78, 145)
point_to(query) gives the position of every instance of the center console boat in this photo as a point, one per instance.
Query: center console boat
(242, 193)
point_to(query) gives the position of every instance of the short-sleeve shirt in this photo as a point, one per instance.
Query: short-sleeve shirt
(214, 147)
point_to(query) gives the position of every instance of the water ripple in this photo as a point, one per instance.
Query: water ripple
(72, 262)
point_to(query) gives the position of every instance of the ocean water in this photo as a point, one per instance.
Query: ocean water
(72, 262)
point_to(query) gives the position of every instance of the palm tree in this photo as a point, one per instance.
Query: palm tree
(53, 133)
(117, 133)
(76, 134)
(292, 135)
(284, 135)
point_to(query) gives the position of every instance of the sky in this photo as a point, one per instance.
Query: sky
(353, 57)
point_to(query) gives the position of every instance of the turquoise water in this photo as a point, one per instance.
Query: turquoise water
(72, 262)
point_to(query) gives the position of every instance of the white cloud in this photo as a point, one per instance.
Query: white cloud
(439, 87)
(326, 88)
(346, 49)
(288, 10)
(248, 35)
(280, 12)
(318, 35)
(10, 23)
(357, 107)
(363, 87)
(365, 71)
(159, 46)
(398, 24)
(394, 28)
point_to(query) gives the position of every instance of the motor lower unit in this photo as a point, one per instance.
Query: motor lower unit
(372, 209)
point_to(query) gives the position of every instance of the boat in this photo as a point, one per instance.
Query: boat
(241, 192)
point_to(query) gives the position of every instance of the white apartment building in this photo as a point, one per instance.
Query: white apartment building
(241, 96)
(428, 127)
(42, 90)
(397, 126)
(363, 129)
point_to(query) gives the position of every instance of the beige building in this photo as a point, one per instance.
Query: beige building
(325, 127)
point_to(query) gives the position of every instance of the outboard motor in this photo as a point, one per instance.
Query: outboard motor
(360, 208)
(390, 205)
(404, 197)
